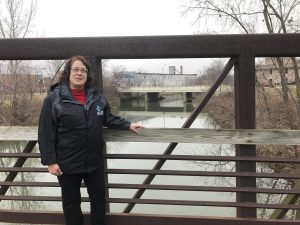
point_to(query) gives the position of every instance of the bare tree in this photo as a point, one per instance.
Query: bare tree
(210, 73)
(140, 77)
(16, 20)
(244, 16)
(113, 79)
(52, 70)
(255, 16)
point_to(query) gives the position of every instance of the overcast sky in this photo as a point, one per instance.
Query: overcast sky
(112, 18)
(74, 18)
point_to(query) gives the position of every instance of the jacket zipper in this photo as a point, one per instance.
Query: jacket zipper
(86, 107)
(87, 127)
(87, 135)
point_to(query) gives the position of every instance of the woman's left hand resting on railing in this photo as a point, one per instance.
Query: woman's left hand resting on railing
(135, 127)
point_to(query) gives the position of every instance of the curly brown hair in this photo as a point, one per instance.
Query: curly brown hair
(65, 74)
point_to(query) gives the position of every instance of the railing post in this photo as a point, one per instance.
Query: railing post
(244, 86)
(96, 65)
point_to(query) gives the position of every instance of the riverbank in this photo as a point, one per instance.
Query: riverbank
(270, 114)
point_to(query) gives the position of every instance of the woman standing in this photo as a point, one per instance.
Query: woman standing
(70, 139)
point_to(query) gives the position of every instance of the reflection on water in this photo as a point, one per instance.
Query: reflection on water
(169, 114)
(17, 147)
(162, 114)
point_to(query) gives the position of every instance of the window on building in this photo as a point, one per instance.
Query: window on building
(271, 71)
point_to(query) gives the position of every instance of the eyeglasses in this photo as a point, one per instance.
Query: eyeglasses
(76, 70)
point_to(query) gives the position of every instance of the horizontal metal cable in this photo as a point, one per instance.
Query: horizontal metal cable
(35, 198)
(203, 173)
(20, 155)
(202, 158)
(203, 203)
(24, 169)
(159, 202)
(202, 188)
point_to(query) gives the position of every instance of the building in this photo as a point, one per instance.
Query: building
(135, 79)
(267, 73)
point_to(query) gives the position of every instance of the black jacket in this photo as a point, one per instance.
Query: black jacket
(71, 134)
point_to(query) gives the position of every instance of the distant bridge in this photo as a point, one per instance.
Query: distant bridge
(152, 93)
(153, 109)
(179, 89)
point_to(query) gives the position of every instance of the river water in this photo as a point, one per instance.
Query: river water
(167, 113)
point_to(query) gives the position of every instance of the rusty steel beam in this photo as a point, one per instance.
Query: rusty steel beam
(248, 205)
(201, 188)
(142, 219)
(42, 217)
(246, 175)
(244, 96)
(177, 46)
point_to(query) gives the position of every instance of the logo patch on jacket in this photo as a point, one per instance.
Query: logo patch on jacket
(99, 110)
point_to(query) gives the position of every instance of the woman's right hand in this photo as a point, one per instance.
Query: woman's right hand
(55, 170)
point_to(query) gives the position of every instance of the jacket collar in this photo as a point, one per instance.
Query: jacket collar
(66, 94)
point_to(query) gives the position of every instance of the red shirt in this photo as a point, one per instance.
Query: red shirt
(79, 95)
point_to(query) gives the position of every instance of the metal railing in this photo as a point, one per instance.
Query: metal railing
(216, 136)
(242, 51)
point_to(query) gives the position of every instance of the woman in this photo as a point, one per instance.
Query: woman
(70, 139)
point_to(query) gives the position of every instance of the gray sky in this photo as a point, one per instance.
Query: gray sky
(74, 18)
(112, 18)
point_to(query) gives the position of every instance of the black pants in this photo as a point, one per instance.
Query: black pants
(71, 197)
